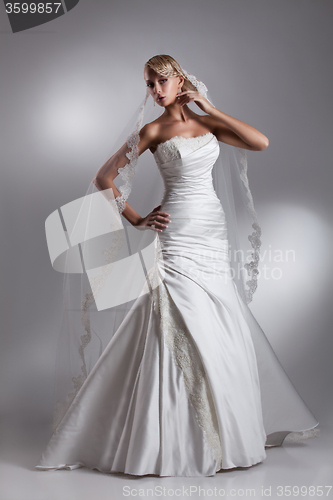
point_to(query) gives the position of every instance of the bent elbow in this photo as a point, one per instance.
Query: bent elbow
(98, 181)
(265, 144)
(260, 145)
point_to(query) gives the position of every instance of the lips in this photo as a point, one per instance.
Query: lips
(161, 98)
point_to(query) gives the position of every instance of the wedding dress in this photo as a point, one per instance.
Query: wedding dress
(188, 384)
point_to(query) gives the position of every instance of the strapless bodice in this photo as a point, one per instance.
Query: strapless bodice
(189, 196)
(172, 148)
(186, 165)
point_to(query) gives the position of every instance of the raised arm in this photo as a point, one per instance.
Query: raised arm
(237, 133)
(225, 127)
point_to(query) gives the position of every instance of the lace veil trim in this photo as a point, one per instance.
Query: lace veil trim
(200, 86)
(296, 436)
(128, 170)
(254, 238)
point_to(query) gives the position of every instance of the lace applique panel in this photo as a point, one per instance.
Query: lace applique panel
(169, 150)
(187, 358)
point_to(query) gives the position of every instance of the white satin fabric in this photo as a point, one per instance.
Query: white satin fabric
(189, 383)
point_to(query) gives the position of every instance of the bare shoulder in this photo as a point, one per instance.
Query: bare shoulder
(149, 131)
(152, 133)
(148, 135)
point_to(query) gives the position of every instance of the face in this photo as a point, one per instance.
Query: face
(163, 89)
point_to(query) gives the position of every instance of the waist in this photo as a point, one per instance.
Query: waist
(190, 191)
(197, 201)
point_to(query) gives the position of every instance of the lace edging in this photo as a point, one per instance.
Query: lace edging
(169, 150)
(299, 436)
(198, 84)
(254, 238)
(127, 171)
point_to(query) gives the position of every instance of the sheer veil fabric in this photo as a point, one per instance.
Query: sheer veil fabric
(109, 265)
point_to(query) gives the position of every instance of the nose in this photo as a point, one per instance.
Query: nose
(157, 89)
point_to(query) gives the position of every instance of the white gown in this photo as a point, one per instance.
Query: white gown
(189, 383)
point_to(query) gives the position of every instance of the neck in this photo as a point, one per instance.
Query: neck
(177, 112)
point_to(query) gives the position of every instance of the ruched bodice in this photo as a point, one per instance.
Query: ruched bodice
(186, 165)
(198, 221)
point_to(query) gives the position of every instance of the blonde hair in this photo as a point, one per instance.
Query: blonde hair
(168, 66)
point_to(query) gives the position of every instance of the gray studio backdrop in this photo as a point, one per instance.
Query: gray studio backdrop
(68, 87)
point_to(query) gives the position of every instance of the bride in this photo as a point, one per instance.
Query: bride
(188, 384)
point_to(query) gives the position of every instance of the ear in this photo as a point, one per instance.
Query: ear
(181, 79)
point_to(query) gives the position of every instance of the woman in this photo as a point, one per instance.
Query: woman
(188, 384)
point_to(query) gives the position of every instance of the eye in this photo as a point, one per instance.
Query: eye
(164, 80)
(149, 84)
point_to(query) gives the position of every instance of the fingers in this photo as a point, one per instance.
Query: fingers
(159, 220)
(161, 216)
(188, 96)
(187, 92)
(185, 99)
